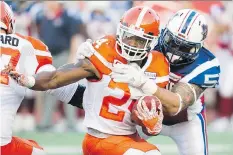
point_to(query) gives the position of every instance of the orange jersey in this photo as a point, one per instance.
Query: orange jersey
(108, 104)
(156, 66)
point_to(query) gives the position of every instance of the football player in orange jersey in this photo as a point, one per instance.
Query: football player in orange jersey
(108, 104)
(30, 56)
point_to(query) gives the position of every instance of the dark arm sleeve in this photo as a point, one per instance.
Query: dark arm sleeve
(77, 99)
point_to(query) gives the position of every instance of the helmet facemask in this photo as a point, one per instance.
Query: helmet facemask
(134, 43)
(177, 50)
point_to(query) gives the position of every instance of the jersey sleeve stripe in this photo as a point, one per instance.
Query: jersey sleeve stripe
(148, 62)
(103, 60)
(162, 79)
(200, 69)
(43, 53)
(101, 64)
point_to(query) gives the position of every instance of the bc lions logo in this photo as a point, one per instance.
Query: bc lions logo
(204, 31)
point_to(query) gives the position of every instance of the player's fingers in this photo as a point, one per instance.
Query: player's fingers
(160, 108)
(120, 80)
(153, 108)
(145, 108)
(90, 47)
(120, 68)
(119, 77)
(7, 69)
(89, 41)
(138, 115)
(115, 75)
(141, 112)
(14, 72)
(80, 57)
(139, 105)
(14, 75)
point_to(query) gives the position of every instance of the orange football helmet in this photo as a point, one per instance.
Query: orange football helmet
(138, 33)
(7, 18)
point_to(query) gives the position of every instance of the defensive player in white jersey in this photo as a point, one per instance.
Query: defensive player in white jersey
(108, 104)
(193, 69)
(29, 56)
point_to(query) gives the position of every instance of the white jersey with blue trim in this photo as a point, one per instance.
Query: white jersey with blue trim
(204, 72)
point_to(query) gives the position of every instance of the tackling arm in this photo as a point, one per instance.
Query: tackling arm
(180, 97)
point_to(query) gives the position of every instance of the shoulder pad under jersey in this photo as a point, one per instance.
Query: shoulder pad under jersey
(105, 54)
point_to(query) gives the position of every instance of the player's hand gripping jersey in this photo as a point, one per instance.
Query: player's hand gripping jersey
(27, 55)
(108, 104)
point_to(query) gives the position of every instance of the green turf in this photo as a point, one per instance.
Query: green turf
(70, 143)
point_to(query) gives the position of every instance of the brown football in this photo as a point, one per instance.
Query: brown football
(147, 100)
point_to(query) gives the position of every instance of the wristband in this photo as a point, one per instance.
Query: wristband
(180, 104)
(29, 81)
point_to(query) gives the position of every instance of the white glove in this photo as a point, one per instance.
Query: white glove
(152, 119)
(134, 76)
(85, 50)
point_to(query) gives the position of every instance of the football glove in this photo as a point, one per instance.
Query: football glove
(151, 119)
(85, 50)
(134, 76)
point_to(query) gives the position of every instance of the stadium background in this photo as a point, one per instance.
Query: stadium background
(94, 19)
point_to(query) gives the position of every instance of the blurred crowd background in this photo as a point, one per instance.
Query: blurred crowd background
(63, 25)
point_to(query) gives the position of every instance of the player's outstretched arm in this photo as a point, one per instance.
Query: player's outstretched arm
(58, 78)
(180, 97)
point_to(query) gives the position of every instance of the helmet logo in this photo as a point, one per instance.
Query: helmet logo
(204, 31)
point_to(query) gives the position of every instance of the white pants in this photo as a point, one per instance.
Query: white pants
(139, 152)
(190, 137)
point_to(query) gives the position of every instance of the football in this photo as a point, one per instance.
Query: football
(147, 100)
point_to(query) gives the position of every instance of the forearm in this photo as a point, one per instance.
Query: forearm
(59, 78)
(46, 73)
(169, 100)
(180, 97)
(64, 75)
(44, 81)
